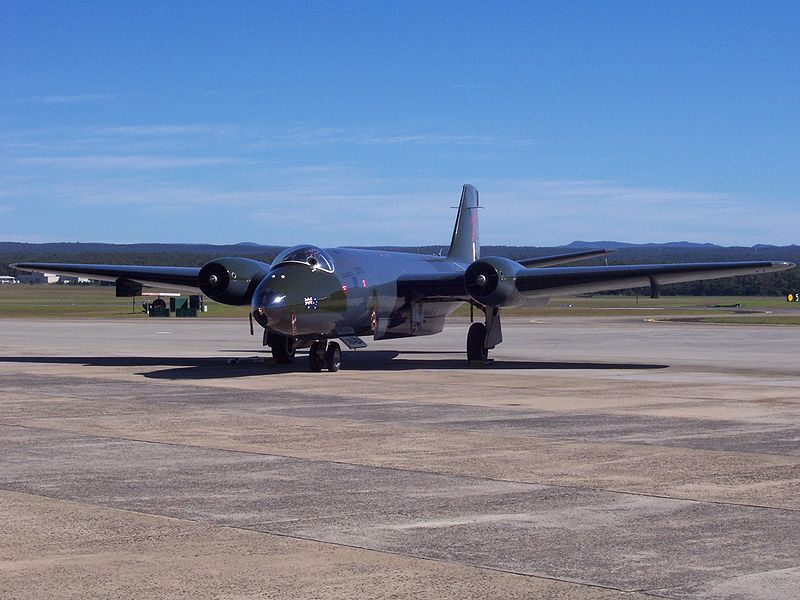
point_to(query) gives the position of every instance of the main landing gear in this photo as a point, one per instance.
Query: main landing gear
(483, 337)
(320, 356)
(476, 351)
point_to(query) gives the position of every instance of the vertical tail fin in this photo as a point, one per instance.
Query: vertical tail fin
(465, 246)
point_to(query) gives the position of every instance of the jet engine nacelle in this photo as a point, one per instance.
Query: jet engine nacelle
(231, 280)
(491, 281)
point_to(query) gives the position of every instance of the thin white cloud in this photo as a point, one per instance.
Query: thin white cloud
(598, 190)
(178, 139)
(70, 98)
(517, 211)
(165, 130)
(165, 197)
(302, 137)
(256, 173)
(330, 216)
(312, 169)
(557, 212)
(428, 139)
(128, 162)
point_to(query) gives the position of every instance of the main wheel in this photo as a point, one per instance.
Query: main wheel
(476, 336)
(333, 357)
(314, 359)
(282, 349)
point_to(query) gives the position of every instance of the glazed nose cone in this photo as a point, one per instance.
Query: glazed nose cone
(268, 306)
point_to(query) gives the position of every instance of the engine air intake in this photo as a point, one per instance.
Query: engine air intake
(231, 280)
(491, 281)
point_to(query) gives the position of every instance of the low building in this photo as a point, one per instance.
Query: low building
(38, 278)
(31, 278)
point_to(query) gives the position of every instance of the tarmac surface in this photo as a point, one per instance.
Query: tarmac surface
(597, 458)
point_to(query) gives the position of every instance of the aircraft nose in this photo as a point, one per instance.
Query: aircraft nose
(268, 305)
(272, 298)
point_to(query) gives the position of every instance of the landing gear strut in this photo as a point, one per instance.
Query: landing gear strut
(482, 337)
(319, 356)
(282, 348)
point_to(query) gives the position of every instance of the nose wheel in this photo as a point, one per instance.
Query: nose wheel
(320, 356)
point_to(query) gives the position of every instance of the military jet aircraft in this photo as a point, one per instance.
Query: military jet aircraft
(309, 296)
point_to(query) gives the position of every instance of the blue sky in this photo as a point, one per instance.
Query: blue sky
(357, 123)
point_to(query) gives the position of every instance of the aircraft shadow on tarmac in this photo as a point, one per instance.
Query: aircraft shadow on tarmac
(257, 366)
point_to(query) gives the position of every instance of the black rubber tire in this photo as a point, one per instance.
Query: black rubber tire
(475, 339)
(314, 363)
(282, 349)
(333, 357)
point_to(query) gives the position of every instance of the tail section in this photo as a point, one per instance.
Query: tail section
(465, 246)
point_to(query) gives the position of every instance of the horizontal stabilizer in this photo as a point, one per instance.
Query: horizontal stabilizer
(560, 259)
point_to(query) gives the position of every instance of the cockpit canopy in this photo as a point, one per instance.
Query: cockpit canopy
(314, 257)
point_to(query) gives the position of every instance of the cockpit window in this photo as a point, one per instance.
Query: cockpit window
(314, 257)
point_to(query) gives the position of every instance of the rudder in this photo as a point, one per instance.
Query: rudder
(465, 246)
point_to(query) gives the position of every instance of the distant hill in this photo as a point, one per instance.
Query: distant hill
(617, 245)
(189, 255)
(767, 246)
(71, 248)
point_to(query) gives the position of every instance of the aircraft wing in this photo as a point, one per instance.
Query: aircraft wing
(438, 286)
(582, 280)
(519, 283)
(175, 277)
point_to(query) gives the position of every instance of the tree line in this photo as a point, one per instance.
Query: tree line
(771, 284)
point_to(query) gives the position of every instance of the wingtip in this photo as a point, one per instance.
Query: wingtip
(782, 265)
(21, 266)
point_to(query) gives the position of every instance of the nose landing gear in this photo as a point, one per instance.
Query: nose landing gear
(282, 348)
(319, 356)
